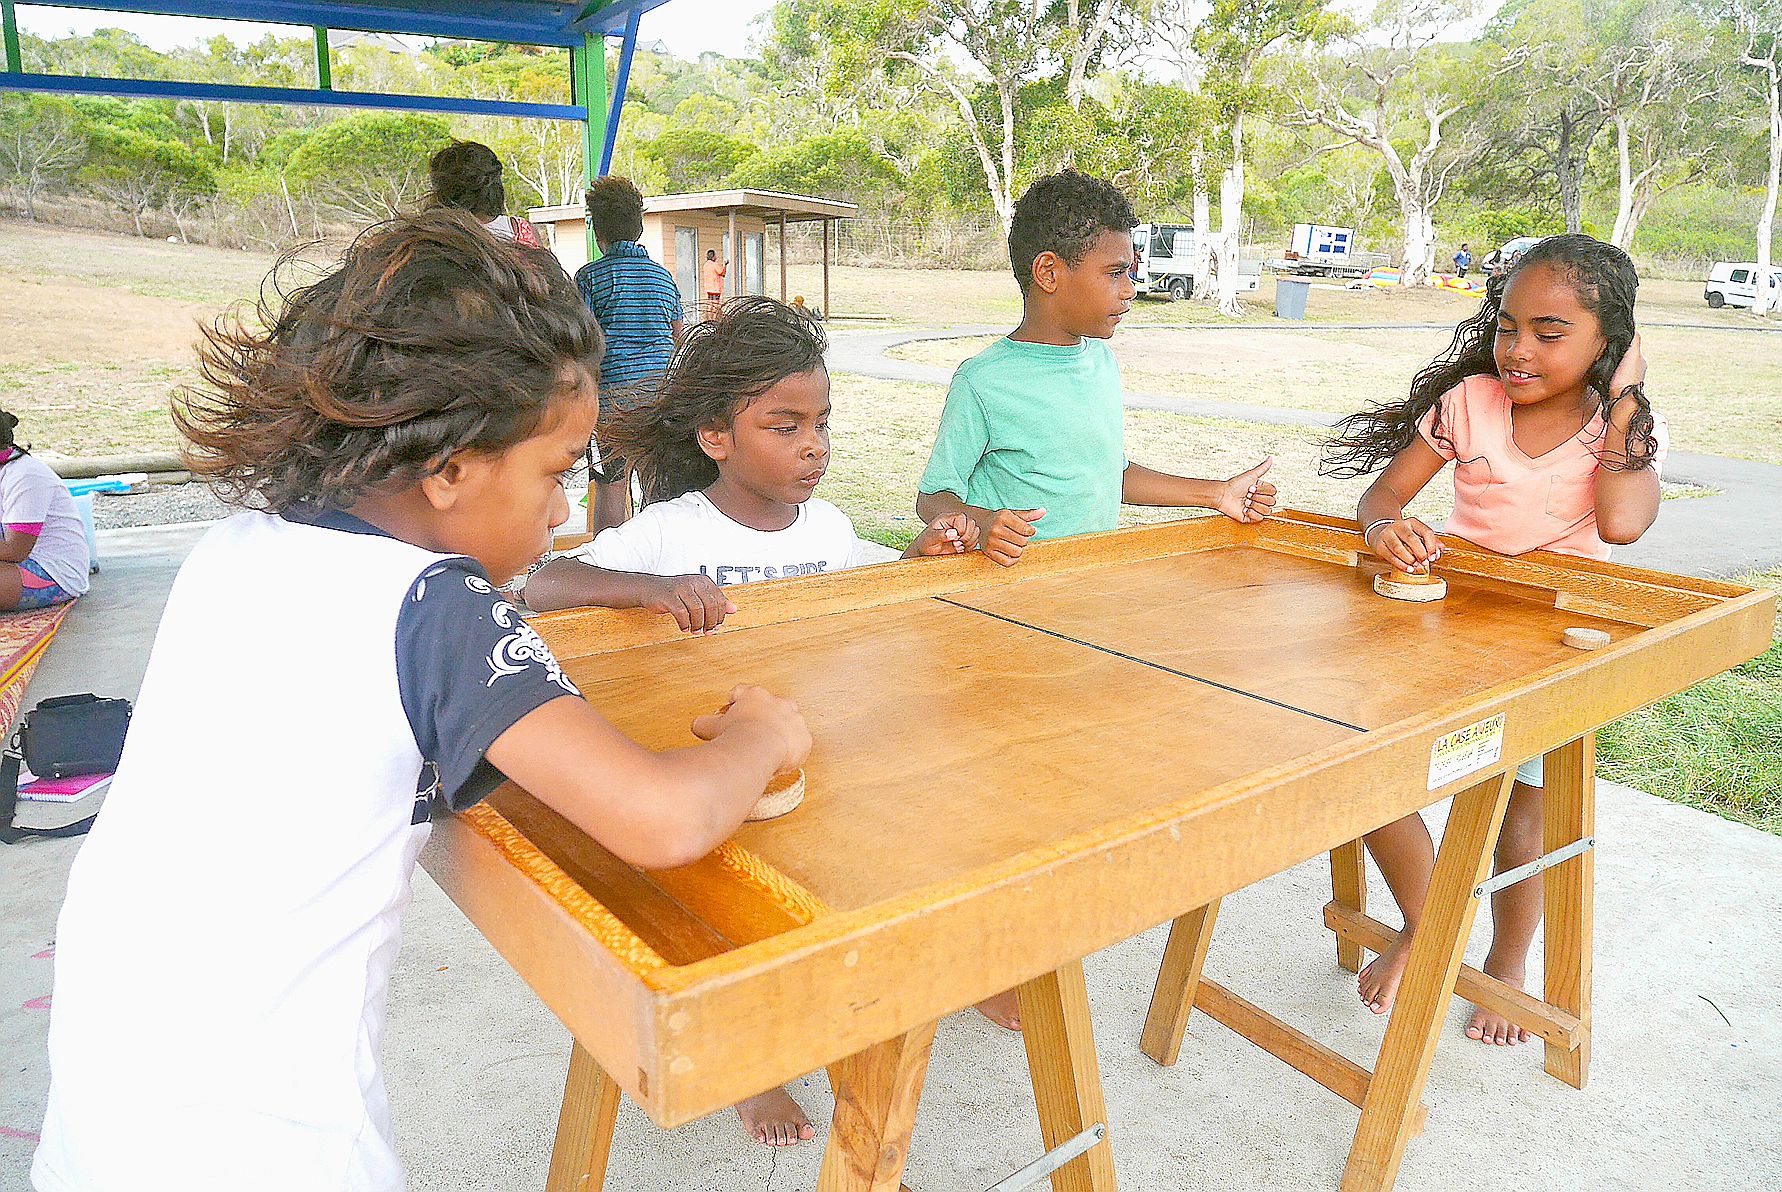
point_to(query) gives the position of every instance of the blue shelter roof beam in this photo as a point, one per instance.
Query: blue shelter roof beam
(170, 89)
(527, 22)
(617, 106)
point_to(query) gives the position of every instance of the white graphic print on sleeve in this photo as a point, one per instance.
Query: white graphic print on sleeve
(522, 647)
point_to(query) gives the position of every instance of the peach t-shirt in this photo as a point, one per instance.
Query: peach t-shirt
(1505, 501)
(711, 276)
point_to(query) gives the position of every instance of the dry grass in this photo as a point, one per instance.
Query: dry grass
(1720, 390)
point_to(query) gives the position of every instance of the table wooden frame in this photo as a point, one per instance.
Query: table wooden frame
(686, 1038)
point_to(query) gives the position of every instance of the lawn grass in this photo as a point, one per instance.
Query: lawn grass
(1716, 746)
(1719, 390)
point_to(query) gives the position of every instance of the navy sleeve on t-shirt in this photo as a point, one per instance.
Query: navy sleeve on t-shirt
(469, 668)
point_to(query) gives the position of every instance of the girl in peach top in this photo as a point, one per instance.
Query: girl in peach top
(1539, 402)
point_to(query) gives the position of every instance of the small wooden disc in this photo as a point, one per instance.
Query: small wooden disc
(1402, 585)
(784, 792)
(1585, 639)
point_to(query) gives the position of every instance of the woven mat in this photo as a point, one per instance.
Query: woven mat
(23, 639)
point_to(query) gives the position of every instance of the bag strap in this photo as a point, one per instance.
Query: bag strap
(9, 799)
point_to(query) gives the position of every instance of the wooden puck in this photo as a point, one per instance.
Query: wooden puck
(1404, 585)
(1585, 639)
(784, 792)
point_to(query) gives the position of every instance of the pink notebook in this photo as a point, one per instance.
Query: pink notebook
(63, 790)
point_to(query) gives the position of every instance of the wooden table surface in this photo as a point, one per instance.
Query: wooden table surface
(1195, 706)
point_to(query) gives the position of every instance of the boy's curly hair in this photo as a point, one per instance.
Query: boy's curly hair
(1605, 281)
(431, 338)
(720, 367)
(615, 209)
(467, 175)
(1064, 213)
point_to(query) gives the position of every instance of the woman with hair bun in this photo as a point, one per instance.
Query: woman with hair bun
(466, 176)
(45, 542)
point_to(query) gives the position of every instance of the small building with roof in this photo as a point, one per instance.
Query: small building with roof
(680, 229)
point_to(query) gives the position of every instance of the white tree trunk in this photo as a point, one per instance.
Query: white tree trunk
(1231, 214)
(1419, 251)
(1767, 296)
(1203, 233)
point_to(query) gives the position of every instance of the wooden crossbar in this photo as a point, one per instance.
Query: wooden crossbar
(1298, 1050)
(1481, 989)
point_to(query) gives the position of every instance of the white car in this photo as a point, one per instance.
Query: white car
(1734, 283)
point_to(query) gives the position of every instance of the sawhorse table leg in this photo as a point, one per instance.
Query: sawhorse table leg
(1060, 1043)
(876, 1092)
(1178, 979)
(1569, 891)
(1388, 1114)
(1348, 889)
(584, 1127)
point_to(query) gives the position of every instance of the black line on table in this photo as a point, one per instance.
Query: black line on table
(1168, 670)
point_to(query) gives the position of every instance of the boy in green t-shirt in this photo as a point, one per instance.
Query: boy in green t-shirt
(1031, 440)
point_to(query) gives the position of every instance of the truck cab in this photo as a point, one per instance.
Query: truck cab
(1164, 256)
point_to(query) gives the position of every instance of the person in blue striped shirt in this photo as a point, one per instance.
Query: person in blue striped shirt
(639, 309)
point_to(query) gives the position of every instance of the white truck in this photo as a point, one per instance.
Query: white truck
(1326, 250)
(1164, 256)
(1163, 262)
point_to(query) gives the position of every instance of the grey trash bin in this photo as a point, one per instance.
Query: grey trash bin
(1290, 297)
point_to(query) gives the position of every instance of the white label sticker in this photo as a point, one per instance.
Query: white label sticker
(1466, 751)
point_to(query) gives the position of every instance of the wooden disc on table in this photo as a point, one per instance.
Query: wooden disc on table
(784, 792)
(1405, 585)
(1585, 639)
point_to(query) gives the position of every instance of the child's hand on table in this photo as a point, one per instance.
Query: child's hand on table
(951, 535)
(1407, 544)
(1006, 536)
(757, 709)
(1247, 497)
(696, 603)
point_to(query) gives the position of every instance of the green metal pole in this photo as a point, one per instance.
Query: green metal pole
(14, 60)
(324, 76)
(588, 87)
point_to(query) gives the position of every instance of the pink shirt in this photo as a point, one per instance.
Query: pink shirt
(1505, 501)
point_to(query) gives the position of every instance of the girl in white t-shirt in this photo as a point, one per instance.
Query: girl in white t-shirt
(44, 539)
(224, 953)
(728, 453)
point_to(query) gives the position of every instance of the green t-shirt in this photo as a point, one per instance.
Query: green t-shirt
(1035, 426)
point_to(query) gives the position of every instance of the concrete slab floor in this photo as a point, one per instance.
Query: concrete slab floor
(1685, 1082)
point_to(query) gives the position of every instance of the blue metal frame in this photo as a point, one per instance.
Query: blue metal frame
(229, 93)
(619, 83)
(528, 22)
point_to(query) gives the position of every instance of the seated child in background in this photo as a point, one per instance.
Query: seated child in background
(728, 454)
(328, 672)
(1539, 402)
(1031, 440)
(45, 541)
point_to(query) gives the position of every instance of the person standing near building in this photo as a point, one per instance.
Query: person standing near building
(639, 308)
(711, 281)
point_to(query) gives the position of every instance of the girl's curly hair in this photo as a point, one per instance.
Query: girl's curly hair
(1603, 277)
(720, 367)
(9, 422)
(431, 338)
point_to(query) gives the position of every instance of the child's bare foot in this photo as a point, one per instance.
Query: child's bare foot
(1495, 1029)
(1379, 980)
(774, 1119)
(1004, 1010)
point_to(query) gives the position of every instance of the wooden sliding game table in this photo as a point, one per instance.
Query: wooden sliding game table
(1017, 767)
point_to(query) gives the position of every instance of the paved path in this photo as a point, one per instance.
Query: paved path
(1736, 531)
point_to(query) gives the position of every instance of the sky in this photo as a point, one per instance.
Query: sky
(689, 27)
